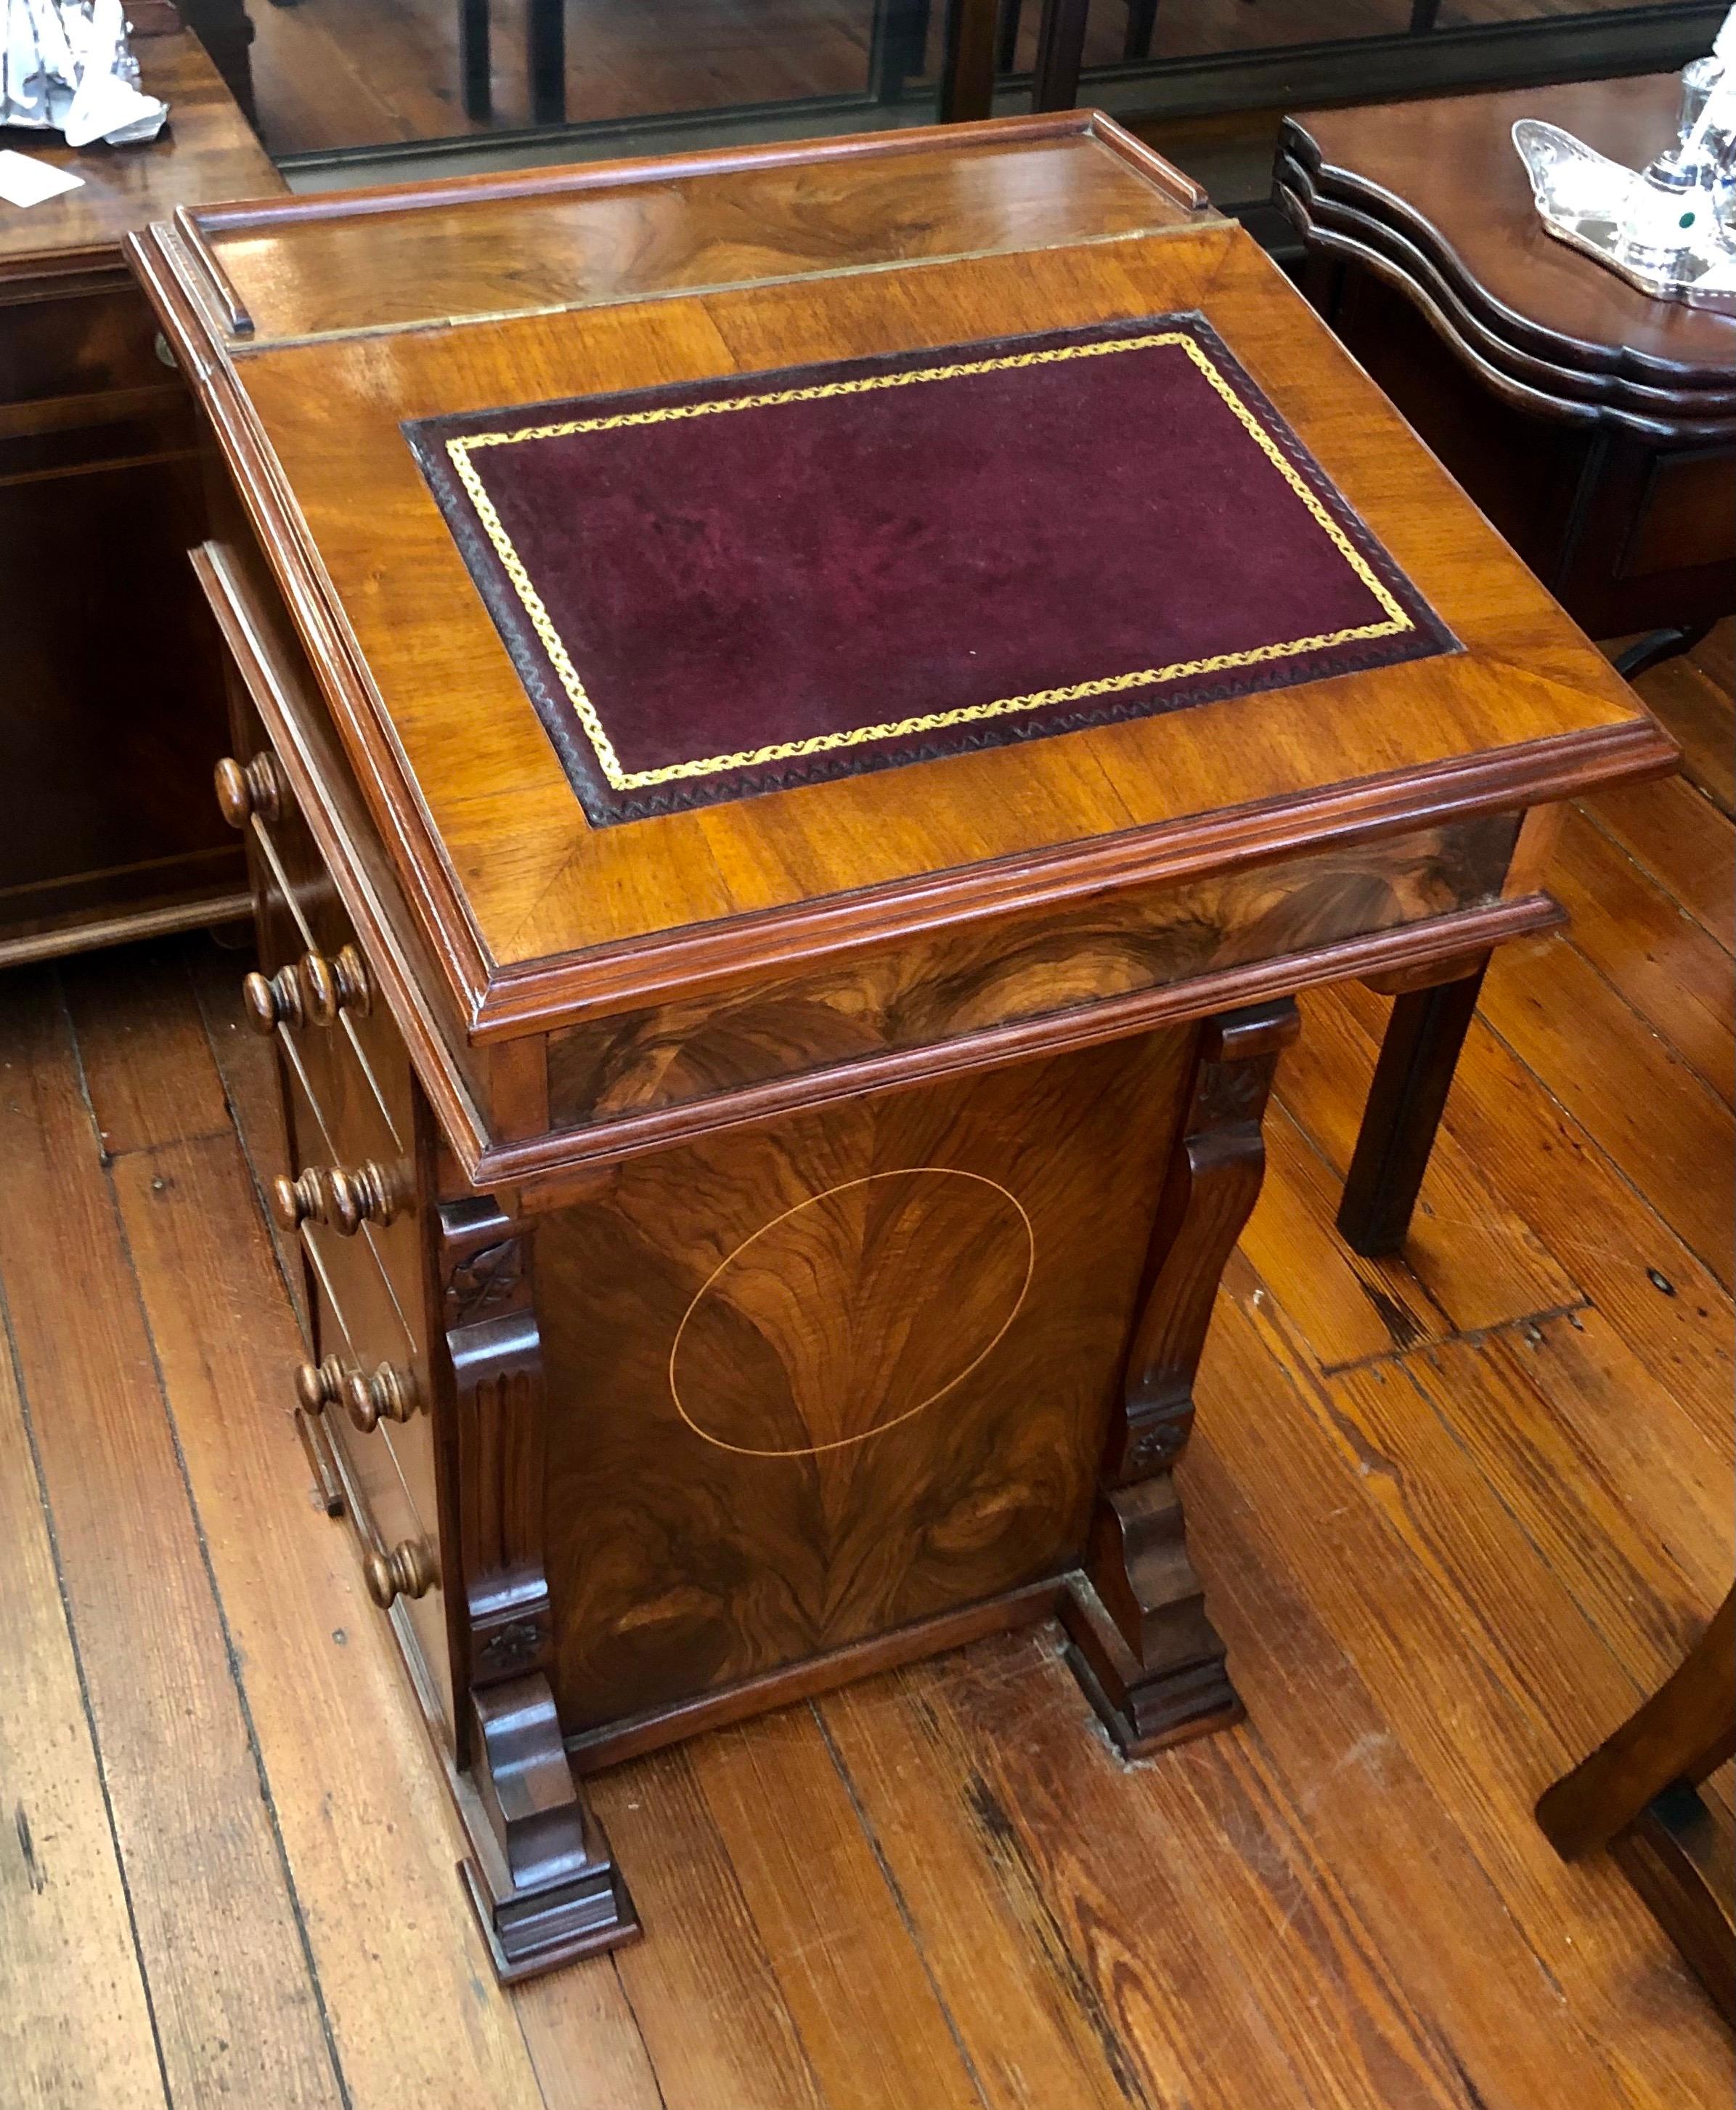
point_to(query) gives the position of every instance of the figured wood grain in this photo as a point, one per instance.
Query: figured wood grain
(517, 885)
(216, 1919)
(682, 1565)
(930, 990)
(78, 2025)
(614, 232)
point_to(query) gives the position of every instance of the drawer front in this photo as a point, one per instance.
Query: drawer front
(353, 1063)
(394, 1479)
(98, 341)
(929, 991)
(375, 1269)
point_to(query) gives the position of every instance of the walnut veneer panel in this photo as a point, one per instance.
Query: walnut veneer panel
(609, 238)
(974, 1245)
(537, 884)
(933, 990)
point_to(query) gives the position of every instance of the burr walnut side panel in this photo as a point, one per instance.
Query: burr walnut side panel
(932, 990)
(810, 1383)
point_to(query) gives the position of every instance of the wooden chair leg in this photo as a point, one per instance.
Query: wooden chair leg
(1686, 1730)
(1012, 20)
(1638, 1795)
(898, 47)
(967, 62)
(1142, 26)
(1149, 1659)
(548, 61)
(1418, 1056)
(1054, 79)
(475, 64)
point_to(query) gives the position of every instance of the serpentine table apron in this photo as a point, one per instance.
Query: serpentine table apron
(801, 716)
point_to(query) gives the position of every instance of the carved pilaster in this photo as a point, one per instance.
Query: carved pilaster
(1143, 1647)
(544, 1884)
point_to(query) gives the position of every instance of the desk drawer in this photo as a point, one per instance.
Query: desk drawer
(391, 1499)
(353, 1200)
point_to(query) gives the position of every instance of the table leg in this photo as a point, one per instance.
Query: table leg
(1142, 26)
(548, 61)
(1657, 645)
(1418, 1056)
(968, 61)
(1144, 1650)
(540, 1874)
(475, 66)
(1054, 79)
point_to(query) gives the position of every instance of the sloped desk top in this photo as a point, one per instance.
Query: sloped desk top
(315, 329)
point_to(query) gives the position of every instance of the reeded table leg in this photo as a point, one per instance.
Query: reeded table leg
(1144, 1650)
(1418, 1056)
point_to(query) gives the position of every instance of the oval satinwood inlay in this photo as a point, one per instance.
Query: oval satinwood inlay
(851, 1312)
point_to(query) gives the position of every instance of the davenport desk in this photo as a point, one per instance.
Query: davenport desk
(801, 716)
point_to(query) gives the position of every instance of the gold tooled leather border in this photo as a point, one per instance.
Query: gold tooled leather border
(460, 450)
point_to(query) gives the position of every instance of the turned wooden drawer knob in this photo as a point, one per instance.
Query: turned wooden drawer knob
(319, 1385)
(344, 1200)
(339, 983)
(407, 1571)
(273, 1000)
(245, 789)
(388, 1395)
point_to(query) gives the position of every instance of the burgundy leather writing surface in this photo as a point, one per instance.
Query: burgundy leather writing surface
(736, 586)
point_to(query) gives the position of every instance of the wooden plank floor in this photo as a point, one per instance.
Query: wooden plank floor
(1456, 1514)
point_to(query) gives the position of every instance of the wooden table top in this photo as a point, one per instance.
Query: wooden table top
(206, 152)
(315, 327)
(1446, 172)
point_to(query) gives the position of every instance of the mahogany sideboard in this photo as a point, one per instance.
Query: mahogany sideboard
(112, 706)
(761, 1234)
(1595, 426)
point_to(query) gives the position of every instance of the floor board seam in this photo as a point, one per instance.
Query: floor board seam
(1654, 877)
(84, 1698)
(231, 1654)
(900, 1902)
(1592, 1140)
(1386, 1357)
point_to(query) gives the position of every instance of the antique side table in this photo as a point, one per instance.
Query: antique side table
(111, 705)
(800, 716)
(1596, 427)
